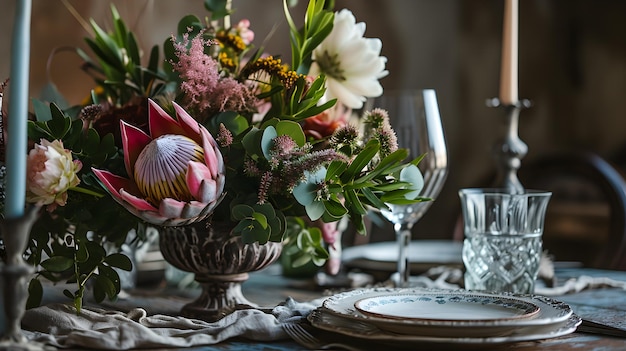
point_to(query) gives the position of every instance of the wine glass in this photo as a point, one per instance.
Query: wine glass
(414, 115)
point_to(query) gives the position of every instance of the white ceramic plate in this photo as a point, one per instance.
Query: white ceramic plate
(473, 325)
(423, 254)
(446, 307)
(321, 318)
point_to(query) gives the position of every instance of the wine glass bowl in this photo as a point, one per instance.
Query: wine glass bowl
(414, 116)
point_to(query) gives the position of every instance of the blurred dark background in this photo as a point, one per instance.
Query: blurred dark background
(572, 67)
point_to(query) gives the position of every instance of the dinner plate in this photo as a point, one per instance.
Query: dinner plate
(322, 319)
(473, 325)
(423, 254)
(446, 307)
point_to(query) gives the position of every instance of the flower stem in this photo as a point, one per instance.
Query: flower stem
(86, 191)
(227, 17)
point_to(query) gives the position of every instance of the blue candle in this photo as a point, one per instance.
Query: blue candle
(17, 138)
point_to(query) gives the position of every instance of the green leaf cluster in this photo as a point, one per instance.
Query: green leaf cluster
(118, 70)
(304, 243)
(68, 244)
(79, 258)
(258, 223)
(318, 23)
(86, 144)
(217, 8)
(350, 188)
(301, 101)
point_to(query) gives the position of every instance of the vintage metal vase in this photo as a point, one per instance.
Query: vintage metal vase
(221, 263)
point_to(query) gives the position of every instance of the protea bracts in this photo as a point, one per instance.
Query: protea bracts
(176, 173)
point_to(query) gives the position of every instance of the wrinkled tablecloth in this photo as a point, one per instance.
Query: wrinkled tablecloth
(59, 325)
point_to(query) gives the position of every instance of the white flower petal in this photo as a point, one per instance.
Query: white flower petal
(352, 63)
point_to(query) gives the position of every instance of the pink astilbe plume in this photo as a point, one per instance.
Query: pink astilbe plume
(204, 88)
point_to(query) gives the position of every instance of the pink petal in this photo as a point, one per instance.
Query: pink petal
(134, 140)
(160, 122)
(138, 203)
(113, 183)
(152, 217)
(188, 123)
(197, 173)
(193, 209)
(212, 156)
(208, 191)
(171, 208)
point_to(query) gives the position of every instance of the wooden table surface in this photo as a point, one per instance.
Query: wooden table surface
(269, 288)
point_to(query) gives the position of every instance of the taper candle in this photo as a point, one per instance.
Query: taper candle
(509, 64)
(17, 139)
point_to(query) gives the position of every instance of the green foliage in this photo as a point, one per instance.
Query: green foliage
(217, 8)
(68, 244)
(318, 23)
(300, 102)
(304, 243)
(328, 183)
(258, 223)
(118, 68)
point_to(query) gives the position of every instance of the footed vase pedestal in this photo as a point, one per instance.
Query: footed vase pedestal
(220, 262)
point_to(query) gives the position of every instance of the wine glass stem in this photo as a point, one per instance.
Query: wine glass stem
(403, 236)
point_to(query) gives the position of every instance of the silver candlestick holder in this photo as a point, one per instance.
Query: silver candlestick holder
(509, 150)
(14, 274)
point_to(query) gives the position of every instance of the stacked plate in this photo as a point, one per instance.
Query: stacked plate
(450, 317)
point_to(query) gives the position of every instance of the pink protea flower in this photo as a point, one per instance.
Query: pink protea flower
(176, 173)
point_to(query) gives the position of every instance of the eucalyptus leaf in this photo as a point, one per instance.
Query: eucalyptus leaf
(217, 8)
(315, 210)
(261, 219)
(412, 175)
(293, 130)
(267, 141)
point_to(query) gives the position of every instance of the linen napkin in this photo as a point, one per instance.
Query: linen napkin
(59, 325)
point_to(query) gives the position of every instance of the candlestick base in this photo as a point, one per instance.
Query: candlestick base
(509, 150)
(15, 273)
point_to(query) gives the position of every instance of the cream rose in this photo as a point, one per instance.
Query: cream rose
(51, 171)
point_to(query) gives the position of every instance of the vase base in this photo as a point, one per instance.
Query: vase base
(221, 295)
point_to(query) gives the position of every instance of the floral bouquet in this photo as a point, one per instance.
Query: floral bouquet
(218, 131)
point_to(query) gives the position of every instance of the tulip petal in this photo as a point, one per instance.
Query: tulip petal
(134, 140)
(160, 122)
